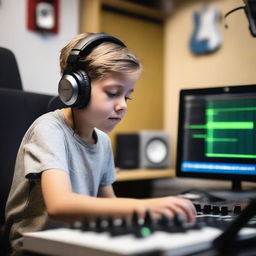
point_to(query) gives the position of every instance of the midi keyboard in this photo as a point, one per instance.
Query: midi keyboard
(110, 237)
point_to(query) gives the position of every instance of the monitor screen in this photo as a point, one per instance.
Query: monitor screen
(217, 133)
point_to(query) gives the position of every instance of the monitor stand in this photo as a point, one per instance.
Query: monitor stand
(236, 186)
(235, 193)
(218, 195)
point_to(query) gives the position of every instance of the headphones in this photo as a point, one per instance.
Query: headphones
(75, 85)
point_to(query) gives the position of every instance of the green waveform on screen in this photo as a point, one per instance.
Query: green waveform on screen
(214, 111)
(204, 136)
(230, 155)
(224, 125)
(229, 131)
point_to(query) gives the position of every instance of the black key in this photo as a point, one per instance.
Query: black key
(207, 209)
(215, 210)
(224, 210)
(237, 209)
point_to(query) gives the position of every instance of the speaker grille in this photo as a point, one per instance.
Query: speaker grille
(127, 151)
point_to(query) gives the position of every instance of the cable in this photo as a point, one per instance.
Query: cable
(73, 119)
(228, 13)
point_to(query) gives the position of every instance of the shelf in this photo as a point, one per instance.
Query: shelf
(138, 10)
(144, 174)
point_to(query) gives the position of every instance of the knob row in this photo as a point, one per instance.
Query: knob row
(217, 210)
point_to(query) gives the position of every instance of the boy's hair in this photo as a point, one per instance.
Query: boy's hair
(103, 60)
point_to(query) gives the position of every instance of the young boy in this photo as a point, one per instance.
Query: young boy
(64, 167)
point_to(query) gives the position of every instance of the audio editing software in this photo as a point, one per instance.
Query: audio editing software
(219, 128)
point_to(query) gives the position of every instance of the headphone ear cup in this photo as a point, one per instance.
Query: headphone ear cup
(75, 89)
(84, 89)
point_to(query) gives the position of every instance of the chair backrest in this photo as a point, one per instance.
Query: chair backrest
(55, 103)
(18, 109)
(9, 72)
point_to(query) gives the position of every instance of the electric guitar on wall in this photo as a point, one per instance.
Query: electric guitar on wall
(206, 37)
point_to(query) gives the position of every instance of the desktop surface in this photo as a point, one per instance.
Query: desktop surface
(221, 188)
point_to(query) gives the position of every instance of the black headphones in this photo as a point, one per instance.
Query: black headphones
(75, 85)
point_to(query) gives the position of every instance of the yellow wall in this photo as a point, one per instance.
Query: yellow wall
(234, 63)
(145, 39)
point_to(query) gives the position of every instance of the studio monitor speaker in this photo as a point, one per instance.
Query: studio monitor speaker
(127, 151)
(145, 150)
(154, 149)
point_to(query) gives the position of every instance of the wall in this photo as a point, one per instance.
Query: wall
(37, 54)
(145, 39)
(234, 63)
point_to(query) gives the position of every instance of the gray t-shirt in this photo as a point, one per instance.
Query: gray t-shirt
(51, 144)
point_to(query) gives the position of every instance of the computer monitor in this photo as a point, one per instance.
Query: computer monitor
(217, 134)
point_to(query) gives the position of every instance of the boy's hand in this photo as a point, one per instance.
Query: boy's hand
(170, 206)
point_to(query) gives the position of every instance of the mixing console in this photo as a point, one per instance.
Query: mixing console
(107, 236)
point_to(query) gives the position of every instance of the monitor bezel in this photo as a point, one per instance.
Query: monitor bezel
(251, 88)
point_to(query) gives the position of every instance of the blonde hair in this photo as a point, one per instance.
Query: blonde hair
(103, 60)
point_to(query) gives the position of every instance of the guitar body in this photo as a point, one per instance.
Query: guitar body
(206, 37)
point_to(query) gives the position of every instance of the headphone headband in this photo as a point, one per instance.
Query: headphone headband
(86, 45)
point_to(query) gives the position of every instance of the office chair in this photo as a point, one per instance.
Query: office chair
(9, 72)
(55, 103)
(18, 109)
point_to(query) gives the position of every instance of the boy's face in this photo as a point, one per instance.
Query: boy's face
(108, 102)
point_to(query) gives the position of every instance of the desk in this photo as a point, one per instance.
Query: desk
(137, 183)
(144, 174)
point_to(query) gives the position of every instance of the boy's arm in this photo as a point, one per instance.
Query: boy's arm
(63, 204)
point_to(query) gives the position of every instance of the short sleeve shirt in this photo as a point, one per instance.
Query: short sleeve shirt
(51, 144)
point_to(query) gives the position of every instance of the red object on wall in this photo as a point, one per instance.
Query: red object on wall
(43, 15)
